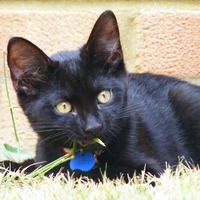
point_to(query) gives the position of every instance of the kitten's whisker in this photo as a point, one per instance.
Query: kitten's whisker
(46, 123)
(57, 136)
(47, 130)
(68, 141)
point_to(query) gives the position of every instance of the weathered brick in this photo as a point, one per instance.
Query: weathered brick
(168, 42)
(51, 31)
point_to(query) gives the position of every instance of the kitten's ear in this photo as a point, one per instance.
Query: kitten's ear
(104, 41)
(26, 62)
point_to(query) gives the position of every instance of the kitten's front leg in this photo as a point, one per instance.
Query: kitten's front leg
(12, 166)
(111, 172)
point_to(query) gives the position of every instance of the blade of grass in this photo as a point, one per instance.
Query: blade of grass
(50, 166)
(12, 149)
(99, 141)
(74, 148)
(10, 105)
(9, 152)
(55, 163)
(6, 153)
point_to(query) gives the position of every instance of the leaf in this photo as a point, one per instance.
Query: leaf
(99, 141)
(14, 149)
(6, 153)
(14, 107)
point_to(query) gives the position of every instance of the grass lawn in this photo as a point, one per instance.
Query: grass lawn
(183, 184)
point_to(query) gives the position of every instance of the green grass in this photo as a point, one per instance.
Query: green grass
(183, 184)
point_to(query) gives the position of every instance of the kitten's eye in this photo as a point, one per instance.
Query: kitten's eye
(64, 107)
(104, 96)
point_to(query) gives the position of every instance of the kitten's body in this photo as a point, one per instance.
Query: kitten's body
(145, 121)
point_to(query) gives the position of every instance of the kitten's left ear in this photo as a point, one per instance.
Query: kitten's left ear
(27, 64)
(104, 41)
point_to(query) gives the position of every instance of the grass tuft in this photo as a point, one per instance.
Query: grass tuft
(182, 184)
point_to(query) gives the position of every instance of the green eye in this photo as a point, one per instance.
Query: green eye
(104, 96)
(64, 107)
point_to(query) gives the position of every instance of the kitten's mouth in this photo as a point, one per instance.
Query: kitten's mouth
(85, 143)
(91, 146)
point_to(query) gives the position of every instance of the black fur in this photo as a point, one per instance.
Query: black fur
(150, 120)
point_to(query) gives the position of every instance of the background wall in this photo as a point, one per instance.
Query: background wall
(161, 37)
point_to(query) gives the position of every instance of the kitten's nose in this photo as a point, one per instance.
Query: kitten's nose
(93, 128)
(92, 125)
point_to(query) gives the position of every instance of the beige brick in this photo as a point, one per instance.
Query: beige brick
(168, 42)
(51, 31)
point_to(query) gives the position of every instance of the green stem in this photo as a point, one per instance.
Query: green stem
(50, 166)
(55, 163)
(74, 148)
(10, 105)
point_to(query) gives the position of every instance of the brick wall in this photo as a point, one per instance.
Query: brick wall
(161, 37)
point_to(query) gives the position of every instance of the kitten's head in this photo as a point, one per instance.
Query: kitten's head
(73, 95)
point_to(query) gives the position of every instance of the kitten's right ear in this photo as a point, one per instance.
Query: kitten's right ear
(26, 62)
(104, 41)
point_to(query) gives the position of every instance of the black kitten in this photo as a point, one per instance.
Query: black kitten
(144, 120)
